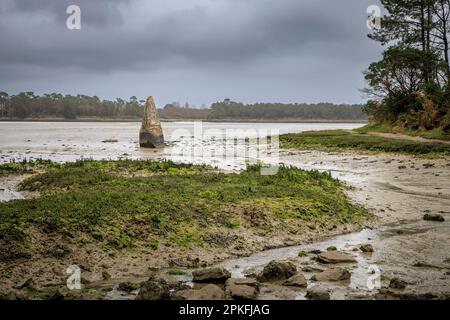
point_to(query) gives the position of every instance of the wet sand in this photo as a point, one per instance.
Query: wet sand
(398, 189)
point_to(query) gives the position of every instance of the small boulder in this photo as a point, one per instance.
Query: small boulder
(332, 274)
(242, 289)
(318, 293)
(433, 217)
(397, 283)
(211, 275)
(277, 270)
(297, 280)
(154, 289)
(335, 257)
(127, 286)
(243, 282)
(366, 248)
(208, 292)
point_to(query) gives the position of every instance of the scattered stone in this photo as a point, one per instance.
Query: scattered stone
(28, 283)
(277, 270)
(106, 275)
(242, 289)
(211, 275)
(208, 292)
(332, 274)
(366, 248)
(397, 283)
(433, 217)
(12, 296)
(335, 257)
(57, 296)
(154, 289)
(128, 286)
(297, 280)
(315, 251)
(312, 269)
(318, 293)
(303, 254)
(428, 165)
(423, 264)
(243, 282)
(332, 248)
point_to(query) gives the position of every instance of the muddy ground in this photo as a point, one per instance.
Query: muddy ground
(398, 189)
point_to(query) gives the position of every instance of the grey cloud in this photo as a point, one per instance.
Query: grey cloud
(175, 36)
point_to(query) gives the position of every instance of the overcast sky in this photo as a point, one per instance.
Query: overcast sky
(198, 51)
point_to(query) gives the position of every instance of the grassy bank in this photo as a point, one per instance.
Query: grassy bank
(359, 140)
(437, 133)
(120, 205)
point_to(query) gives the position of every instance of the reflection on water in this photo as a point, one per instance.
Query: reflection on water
(220, 144)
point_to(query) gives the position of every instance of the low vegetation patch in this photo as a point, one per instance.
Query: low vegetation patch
(347, 140)
(437, 133)
(130, 204)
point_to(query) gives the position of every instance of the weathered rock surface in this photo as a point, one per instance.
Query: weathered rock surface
(366, 248)
(208, 292)
(242, 289)
(397, 283)
(318, 293)
(151, 135)
(127, 287)
(277, 270)
(211, 275)
(433, 217)
(332, 274)
(297, 280)
(154, 289)
(243, 282)
(335, 257)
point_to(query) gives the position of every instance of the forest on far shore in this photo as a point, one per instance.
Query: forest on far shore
(29, 106)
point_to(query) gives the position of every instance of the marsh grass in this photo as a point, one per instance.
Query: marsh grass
(130, 204)
(347, 140)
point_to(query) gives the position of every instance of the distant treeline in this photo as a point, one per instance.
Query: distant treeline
(236, 110)
(27, 105)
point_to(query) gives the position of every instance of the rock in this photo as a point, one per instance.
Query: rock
(312, 269)
(433, 217)
(317, 293)
(297, 280)
(332, 274)
(423, 264)
(26, 284)
(243, 282)
(214, 275)
(397, 283)
(127, 286)
(57, 296)
(154, 289)
(242, 289)
(332, 248)
(208, 292)
(150, 135)
(277, 270)
(335, 257)
(366, 248)
(12, 296)
(106, 275)
(303, 254)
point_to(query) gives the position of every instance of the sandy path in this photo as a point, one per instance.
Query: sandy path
(406, 137)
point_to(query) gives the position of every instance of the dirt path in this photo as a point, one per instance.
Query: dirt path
(406, 137)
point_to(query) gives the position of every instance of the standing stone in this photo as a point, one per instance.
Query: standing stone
(150, 135)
